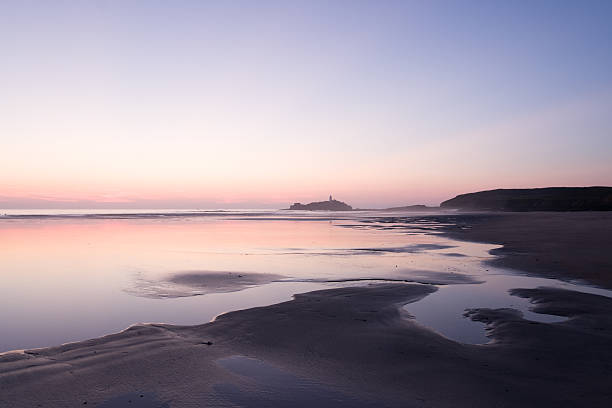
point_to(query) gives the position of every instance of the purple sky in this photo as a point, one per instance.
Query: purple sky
(194, 104)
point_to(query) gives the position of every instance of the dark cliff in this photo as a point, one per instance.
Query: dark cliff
(535, 199)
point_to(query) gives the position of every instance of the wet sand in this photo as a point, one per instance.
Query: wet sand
(565, 245)
(355, 346)
(192, 283)
(352, 341)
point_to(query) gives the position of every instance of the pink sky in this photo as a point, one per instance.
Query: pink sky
(161, 106)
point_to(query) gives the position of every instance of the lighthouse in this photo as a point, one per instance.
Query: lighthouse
(330, 198)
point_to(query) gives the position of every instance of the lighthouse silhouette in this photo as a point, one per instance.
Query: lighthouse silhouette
(330, 198)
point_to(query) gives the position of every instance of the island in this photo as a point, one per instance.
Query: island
(329, 205)
(535, 199)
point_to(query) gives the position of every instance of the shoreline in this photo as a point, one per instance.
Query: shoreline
(352, 343)
(566, 246)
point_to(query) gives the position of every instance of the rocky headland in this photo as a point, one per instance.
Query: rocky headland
(535, 199)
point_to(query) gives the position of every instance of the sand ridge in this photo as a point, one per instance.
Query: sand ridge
(355, 340)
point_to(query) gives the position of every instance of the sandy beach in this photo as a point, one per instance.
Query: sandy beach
(356, 346)
(564, 245)
(353, 340)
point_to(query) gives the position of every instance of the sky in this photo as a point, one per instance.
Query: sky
(259, 104)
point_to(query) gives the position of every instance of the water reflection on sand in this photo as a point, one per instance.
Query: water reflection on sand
(70, 277)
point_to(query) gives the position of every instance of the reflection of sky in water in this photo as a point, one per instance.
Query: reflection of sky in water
(67, 279)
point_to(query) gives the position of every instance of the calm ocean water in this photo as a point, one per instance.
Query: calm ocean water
(76, 274)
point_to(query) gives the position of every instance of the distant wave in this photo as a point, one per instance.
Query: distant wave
(106, 214)
(372, 216)
(138, 214)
